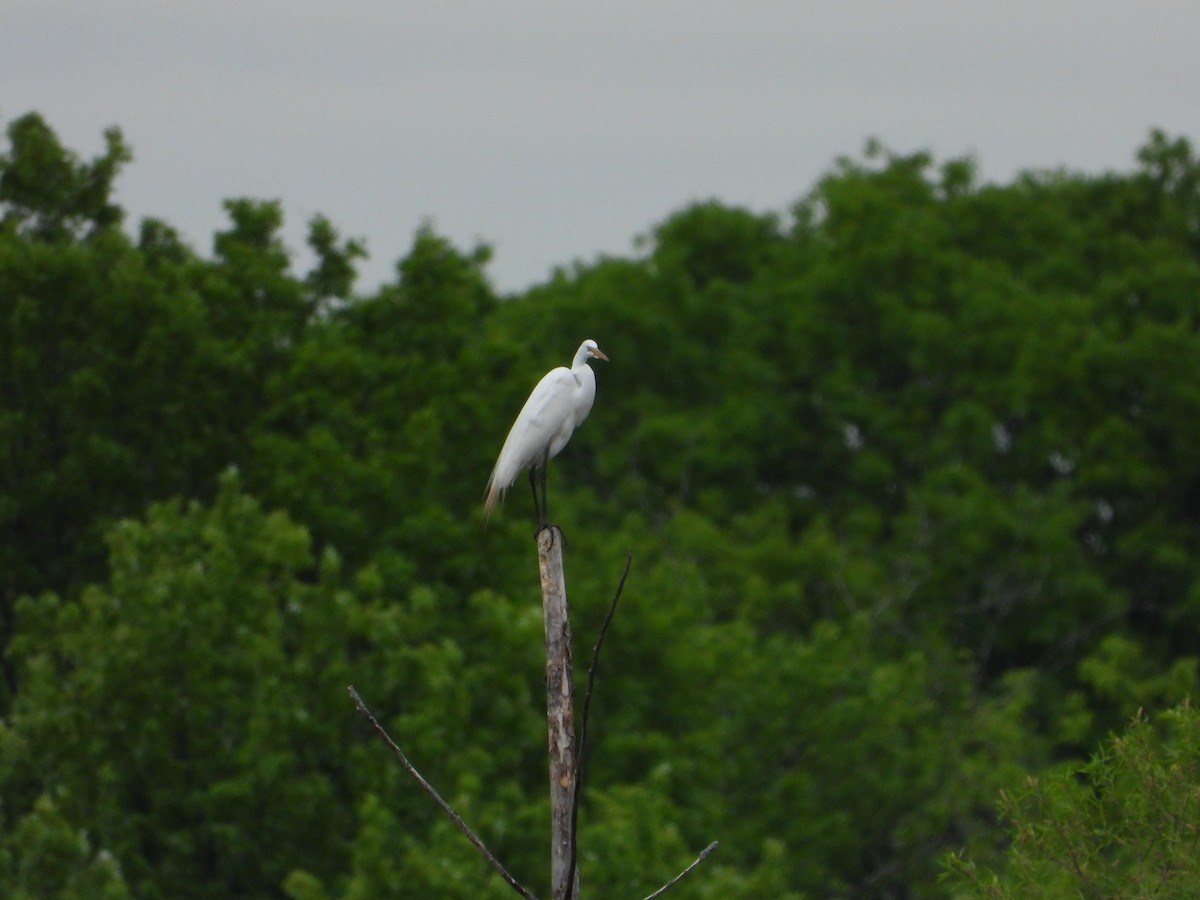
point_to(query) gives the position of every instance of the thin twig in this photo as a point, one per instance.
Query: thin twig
(674, 881)
(432, 792)
(583, 720)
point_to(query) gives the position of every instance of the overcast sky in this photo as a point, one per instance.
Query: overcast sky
(561, 131)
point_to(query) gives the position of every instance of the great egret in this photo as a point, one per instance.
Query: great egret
(558, 405)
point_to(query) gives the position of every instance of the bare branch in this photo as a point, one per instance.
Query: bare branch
(595, 664)
(432, 792)
(704, 854)
(583, 719)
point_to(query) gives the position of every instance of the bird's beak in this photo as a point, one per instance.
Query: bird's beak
(599, 354)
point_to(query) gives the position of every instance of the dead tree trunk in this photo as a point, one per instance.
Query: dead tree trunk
(565, 755)
(560, 712)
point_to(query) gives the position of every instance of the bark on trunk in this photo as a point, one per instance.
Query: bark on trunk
(560, 713)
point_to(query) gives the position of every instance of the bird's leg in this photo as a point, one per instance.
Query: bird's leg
(545, 499)
(544, 521)
(537, 509)
(542, 509)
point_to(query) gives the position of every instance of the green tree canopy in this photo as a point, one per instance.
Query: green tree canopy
(907, 470)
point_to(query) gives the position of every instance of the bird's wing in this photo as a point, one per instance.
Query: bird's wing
(540, 419)
(548, 407)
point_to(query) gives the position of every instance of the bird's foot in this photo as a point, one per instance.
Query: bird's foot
(551, 527)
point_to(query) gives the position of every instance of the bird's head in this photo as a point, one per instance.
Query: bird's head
(593, 350)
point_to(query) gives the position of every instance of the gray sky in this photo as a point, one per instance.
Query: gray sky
(561, 131)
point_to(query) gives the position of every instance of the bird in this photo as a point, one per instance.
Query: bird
(557, 406)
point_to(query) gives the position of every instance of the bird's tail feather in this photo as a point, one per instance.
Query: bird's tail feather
(494, 495)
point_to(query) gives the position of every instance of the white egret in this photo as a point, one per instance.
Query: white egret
(556, 407)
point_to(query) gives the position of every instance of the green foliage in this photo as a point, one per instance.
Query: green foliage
(47, 193)
(861, 759)
(1124, 825)
(334, 275)
(46, 857)
(909, 476)
(190, 714)
(130, 373)
(162, 702)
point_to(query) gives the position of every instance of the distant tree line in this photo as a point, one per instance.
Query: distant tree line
(910, 476)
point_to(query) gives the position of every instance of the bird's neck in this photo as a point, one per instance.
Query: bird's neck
(583, 373)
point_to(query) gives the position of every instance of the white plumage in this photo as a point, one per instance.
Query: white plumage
(556, 407)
